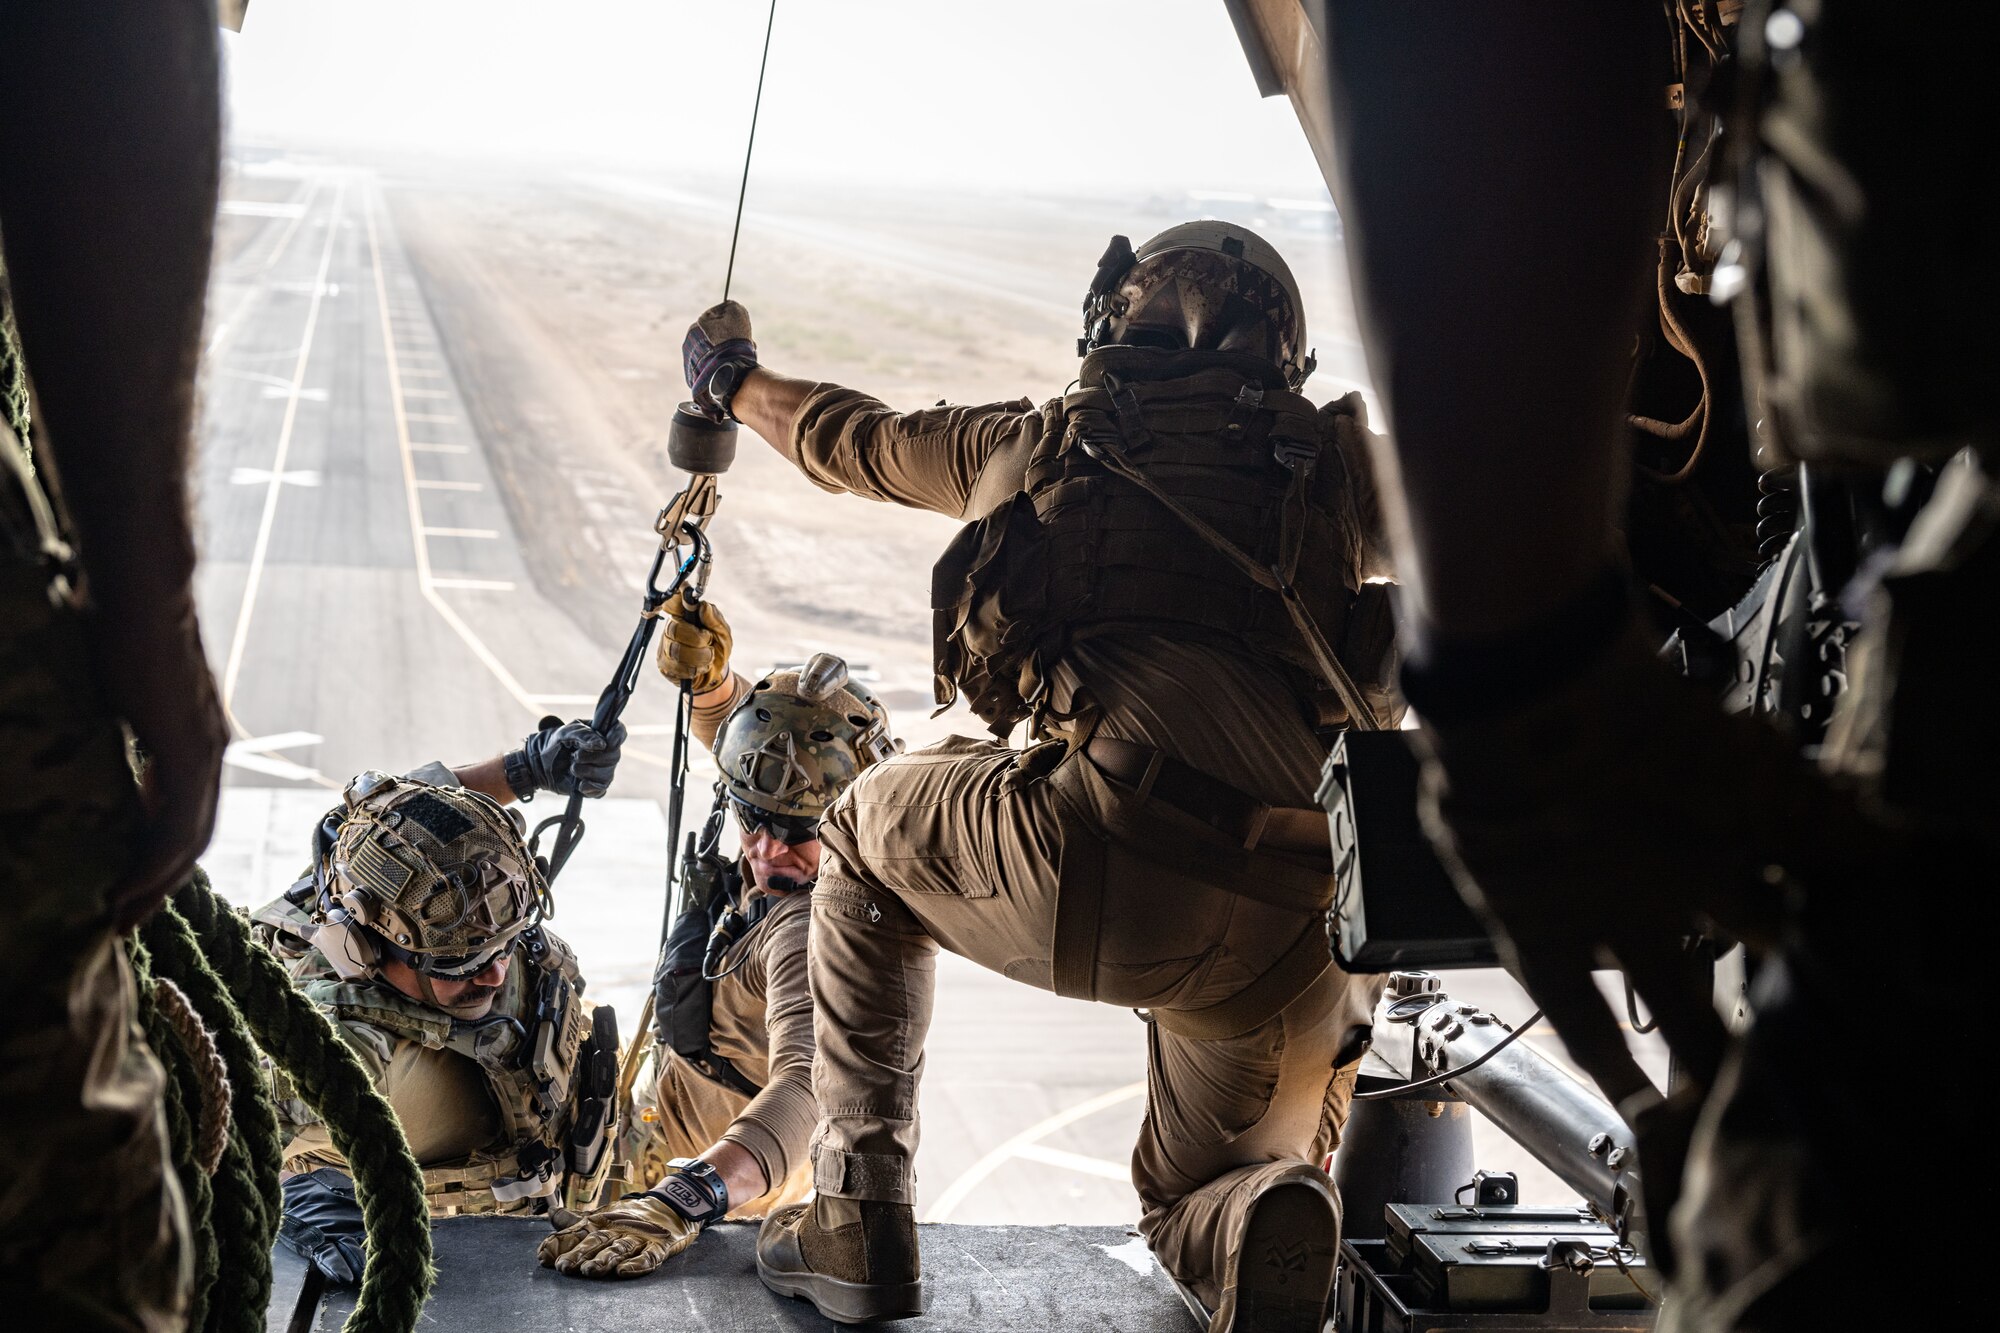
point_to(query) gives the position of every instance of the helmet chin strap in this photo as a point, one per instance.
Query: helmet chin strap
(430, 993)
(786, 884)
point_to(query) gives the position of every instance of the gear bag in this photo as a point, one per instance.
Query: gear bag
(1187, 492)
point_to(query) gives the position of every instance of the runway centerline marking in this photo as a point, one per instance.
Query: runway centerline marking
(258, 476)
(975, 1176)
(229, 322)
(420, 549)
(254, 754)
(471, 585)
(260, 549)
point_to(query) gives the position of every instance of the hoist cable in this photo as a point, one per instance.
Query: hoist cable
(743, 187)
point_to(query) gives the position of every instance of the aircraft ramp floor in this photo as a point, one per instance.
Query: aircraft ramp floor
(977, 1277)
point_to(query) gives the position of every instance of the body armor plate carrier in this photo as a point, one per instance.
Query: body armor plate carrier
(683, 988)
(531, 1050)
(1085, 548)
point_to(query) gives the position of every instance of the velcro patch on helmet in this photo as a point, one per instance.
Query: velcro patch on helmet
(374, 867)
(435, 817)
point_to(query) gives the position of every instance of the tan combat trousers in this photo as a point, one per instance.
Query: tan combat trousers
(691, 1111)
(93, 1228)
(988, 851)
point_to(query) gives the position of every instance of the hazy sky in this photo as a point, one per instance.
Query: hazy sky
(1149, 94)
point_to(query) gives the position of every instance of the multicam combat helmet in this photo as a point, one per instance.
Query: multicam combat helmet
(437, 877)
(800, 737)
(1207, 286)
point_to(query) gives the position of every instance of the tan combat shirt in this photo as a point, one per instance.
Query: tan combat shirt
(1225, 713)
(761, 1014)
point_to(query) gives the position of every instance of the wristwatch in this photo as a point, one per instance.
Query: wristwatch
(694, 1189)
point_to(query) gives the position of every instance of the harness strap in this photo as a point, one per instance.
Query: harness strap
(1114, 459)
(1079, 909)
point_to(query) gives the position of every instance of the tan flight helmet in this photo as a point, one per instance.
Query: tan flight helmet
(436, 877)
(1206, 286)
(800, 737)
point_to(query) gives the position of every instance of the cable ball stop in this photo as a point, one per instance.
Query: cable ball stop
(697, 443)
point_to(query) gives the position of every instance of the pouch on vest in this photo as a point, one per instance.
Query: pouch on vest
(683, 998)
(597, 1089)
(989, 601)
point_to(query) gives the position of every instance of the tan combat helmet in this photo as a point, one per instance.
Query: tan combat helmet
(799, 738)
(437, 877)
(1207, 286)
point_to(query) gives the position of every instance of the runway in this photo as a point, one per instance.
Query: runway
(429, 460)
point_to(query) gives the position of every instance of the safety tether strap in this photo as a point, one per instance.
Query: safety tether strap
(1114, 459)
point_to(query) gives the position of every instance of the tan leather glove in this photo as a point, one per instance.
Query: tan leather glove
(697, 654)
(629, 1238)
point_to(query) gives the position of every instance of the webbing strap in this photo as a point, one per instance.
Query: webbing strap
(861, 1175)
(1288, 978)
(1079, 908)
(1358, 711)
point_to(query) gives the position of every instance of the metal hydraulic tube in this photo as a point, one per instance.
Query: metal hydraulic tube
(1566, 1126)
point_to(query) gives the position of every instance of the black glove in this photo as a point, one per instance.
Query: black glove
(565, 758)
(322, 1224)
(717, 354)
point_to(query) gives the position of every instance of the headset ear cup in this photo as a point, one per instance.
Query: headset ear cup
(347, 948)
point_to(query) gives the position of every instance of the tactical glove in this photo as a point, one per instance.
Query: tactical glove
(322, 1224)
(629, 1238)
(566, 758)
(695, 653)
(717, 354)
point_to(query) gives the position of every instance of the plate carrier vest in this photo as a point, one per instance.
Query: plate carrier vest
(682, 996)
(527, 1049)
(1084, 549)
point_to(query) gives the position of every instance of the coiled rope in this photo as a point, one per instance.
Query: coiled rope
(245, 1003)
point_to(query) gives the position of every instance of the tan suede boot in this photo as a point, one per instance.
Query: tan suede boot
(1281, 1266)
(856, 1261)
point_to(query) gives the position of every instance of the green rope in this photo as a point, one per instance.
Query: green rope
(247, 1199)
(13, 371)
(183, 1102)
(301, 1040)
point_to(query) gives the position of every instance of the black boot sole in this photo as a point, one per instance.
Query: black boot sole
(848, 1302)
(1284, 1273)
